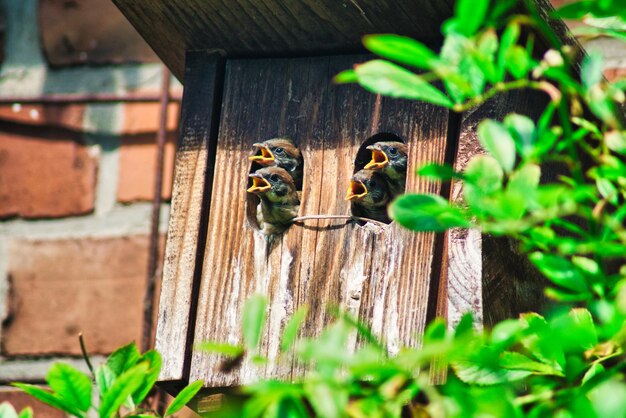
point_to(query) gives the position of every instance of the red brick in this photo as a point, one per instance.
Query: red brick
(142, 118)
(69, 116)
(137, 165)
(92, 32)
(614, 74)
(21, 400)
(60, 288)
(44, 174)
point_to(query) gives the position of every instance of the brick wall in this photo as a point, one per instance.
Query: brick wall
(76, 181)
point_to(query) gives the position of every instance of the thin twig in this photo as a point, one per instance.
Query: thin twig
(84, 351)
(356, 218)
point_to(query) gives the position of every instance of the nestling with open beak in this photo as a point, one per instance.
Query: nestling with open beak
(279, 200)
(390, 159)
(369, 194)
(283, 153)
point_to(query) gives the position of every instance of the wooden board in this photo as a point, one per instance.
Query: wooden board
(487, 275)
(382, 276)
(187, 228)
(276, 27)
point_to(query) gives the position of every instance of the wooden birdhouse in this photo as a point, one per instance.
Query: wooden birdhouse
(257, 70)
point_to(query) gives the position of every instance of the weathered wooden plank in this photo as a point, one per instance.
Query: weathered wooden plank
(187, 227)
(276, 27)
(263, 99)
(380, 275)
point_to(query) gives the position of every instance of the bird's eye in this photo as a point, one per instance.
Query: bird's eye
(393, 150)
(274, 177)
(279, 150)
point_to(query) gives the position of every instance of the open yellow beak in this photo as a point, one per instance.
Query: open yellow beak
(379, 160)
(259, 184)
(356, 190)
(264, 157)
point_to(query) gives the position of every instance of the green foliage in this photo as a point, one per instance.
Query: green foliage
(7, 411)
(122, 383)
(568, 363)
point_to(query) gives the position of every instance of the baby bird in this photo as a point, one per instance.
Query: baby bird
(283, 153)
(369, 194)
(279, 200)
(390, 159)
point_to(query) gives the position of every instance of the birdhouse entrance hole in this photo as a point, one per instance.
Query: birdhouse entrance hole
(267, 153)
(365, 156)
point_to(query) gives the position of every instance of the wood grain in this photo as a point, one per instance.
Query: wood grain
(187, 227)
(380, 275)
(247, 28)
(487, 275)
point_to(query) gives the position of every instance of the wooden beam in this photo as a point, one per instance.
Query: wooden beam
(273, 28)
(187, 227)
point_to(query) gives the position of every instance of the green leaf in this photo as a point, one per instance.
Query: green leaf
(123, 358)
(421, 212)
(595, 370)
(327, 401)
(402, 49)
(483, 173)
(127, 383)
(607, 190)
(507, 41)
(574, 10)
(153, 359)
(587, 265)
(290, 333)
(522, 129)
(473, 73)
(591, 69)
(515, 361)
(71, 385)
(141, 416)
(346, 76)
(453, 51)
(505, 333)
(468, 16)
(575, 331)
(475, 373)
(517, 61)
(184, 397)
(497, 140)
(7, 410)
(437, 330)
(49, 398)
(439, 172)
(464, 326)
(609, 399)
(229, 350)
(485, 55)
(560, 271)
(388, 79)
(104, 378)
(25, 413)
(541, 342)
(525, 181)
(616, 141)
(254, 314)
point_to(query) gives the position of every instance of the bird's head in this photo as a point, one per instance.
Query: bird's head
(368, 187)
(279, 152)
(386, 156)
(272, 183)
